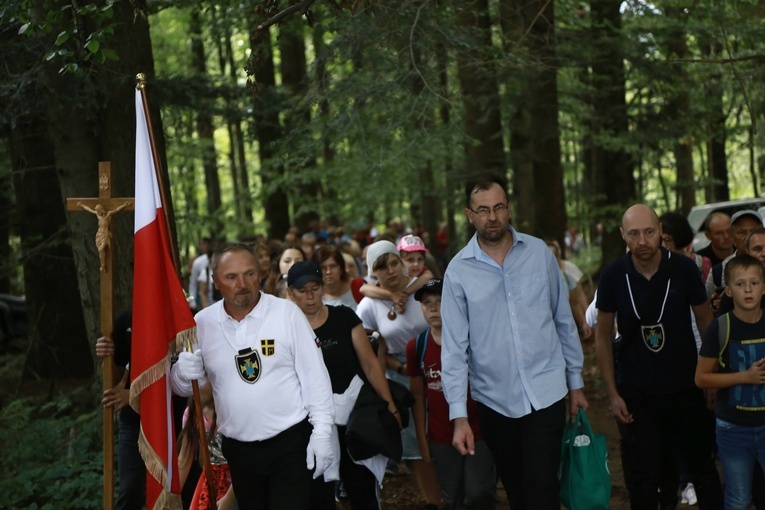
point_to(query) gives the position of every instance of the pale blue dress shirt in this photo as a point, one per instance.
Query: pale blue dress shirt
(509, 328)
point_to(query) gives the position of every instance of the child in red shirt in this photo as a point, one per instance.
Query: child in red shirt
(465, 482)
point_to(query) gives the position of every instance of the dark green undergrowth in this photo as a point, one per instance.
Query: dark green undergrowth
(51, 457)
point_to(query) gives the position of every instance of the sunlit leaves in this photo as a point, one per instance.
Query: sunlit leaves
(73, 47)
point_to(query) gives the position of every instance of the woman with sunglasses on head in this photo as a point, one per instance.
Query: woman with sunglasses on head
(398, 321)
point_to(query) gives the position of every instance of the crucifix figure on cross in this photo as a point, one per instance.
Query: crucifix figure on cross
(104, 207)
(104, 234)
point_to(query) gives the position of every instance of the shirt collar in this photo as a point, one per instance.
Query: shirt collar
(474, 250)
(256, 312)
(665, 256)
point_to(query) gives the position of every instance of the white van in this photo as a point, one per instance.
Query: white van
(699, 214)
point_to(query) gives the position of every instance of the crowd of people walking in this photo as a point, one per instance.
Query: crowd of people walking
(329, 360)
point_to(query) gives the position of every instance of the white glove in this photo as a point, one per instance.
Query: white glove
(319, 446)
(189, 367)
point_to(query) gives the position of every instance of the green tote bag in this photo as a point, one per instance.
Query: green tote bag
(585, 480)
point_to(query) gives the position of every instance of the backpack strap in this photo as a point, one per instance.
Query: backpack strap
(723, 335)
(421, 343)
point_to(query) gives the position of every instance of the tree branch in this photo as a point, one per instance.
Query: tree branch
(739, 80)
(414, 60)
(302, 8)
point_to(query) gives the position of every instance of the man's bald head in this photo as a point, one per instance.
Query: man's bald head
(640, 212)
(718, 230)
(716, 218)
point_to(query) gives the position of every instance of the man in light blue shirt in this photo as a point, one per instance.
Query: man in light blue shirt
(507, 325)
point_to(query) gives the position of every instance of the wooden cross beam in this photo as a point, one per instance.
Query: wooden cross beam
(104, 207)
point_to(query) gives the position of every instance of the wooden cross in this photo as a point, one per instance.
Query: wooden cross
(104, 207)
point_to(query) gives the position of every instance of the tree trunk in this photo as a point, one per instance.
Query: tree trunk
(295, 79)
(58, 342)
(76, 153)
(535, 143)
(678, 110)
(205, 126)
(7, 216)
(612, 165)
(86, 120)
(544, 133)
(717, 159)
(686, 189)
(239, 177)
(266, 111)
(514, 23)
(322, 82)
(244, 177)
(484, 155)
(452, 184)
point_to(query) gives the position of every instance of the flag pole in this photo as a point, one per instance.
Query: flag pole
(199, 412)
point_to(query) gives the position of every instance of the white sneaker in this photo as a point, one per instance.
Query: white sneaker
(689, 495)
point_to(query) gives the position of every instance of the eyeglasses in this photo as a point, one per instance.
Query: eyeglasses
(667, 240)
(485, 211)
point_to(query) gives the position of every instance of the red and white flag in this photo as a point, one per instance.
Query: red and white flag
(161, 316)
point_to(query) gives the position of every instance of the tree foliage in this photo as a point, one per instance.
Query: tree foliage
(364, 111)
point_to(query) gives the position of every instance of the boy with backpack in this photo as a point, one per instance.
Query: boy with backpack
(465, 482)
(732, 360)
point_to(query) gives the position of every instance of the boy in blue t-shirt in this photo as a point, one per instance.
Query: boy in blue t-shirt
(733, 361)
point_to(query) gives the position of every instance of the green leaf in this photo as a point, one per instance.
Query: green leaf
(92, 46)
(62, 38)
(24, 28)
(109, 54)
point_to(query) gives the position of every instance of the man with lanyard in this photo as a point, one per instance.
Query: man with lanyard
(272, 393)
(508, 324)
(657, 406)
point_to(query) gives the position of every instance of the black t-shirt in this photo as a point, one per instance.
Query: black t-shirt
(709, 253)
(743, 404)
(337, 346)
(122, 337)
(657, 353)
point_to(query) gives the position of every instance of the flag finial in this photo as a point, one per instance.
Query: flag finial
(140, 81)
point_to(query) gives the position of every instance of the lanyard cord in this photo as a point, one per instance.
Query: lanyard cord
(632, 298)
